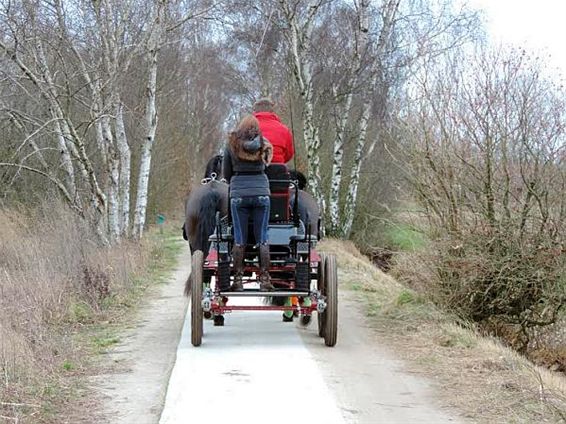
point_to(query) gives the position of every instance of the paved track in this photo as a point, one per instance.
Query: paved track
(258, 369)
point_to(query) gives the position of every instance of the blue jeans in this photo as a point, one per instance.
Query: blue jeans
(244, 208)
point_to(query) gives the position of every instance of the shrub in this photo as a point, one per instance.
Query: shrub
(488, 167)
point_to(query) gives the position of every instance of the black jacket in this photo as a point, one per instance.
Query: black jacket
(246, 178)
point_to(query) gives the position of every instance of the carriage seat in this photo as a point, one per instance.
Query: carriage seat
(279, 180)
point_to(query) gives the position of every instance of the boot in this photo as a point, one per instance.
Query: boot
(264, 262)
(238, 260)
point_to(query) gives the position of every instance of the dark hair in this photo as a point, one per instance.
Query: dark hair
(248, 128)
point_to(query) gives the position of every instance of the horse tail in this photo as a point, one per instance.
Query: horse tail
(185, 236)
(188, 285)
(207, 220)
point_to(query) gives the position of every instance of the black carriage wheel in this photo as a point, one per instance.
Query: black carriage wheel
(196, 298)
(321, 289)
(331, 313)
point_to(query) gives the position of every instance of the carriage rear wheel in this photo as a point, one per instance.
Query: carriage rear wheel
(321, 289)
(196, 298)
(331, 312)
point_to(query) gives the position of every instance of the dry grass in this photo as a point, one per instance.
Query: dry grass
(54, 279)
(478, 376)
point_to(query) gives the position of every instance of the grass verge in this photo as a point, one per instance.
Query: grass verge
(102, 333)
(64, 301)
(478, 376)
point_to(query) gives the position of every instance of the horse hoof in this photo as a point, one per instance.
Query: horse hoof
(218, 321)
(287, 319)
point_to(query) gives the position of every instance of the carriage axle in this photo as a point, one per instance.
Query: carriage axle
(217, 303)
(217, 309)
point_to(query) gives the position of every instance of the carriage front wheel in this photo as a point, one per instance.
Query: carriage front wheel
(196, 298)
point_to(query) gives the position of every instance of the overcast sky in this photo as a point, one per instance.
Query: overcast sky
(535, 24)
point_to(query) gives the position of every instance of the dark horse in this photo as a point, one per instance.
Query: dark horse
(203, 202)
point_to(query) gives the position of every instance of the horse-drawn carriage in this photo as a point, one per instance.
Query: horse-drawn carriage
(297, 270)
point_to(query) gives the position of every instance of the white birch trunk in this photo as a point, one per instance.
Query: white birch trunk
(65, 158)
(361, 35)
(74, 143)
(312, 139)
(112, 183)
(125, 159)
(50, 95)
(113, 199)
(390, 10)
(150, 121)
(337, 163)
(95, 114)
(145, 161)
(300, 38)
(352, 196)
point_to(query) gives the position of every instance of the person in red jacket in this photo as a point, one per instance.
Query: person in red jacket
(283, 151)
(273, 130)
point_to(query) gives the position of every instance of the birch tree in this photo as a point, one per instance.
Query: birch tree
(109, 196)
(163, 22)
(34, 68)
(154, 43)
(390, 10)
(112, 20)
(427, 32)
(300, 25)
(361, 35)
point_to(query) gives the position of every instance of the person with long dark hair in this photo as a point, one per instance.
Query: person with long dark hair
(245, 159)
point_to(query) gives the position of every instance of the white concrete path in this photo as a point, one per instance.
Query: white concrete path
(252, 370)
(258, 369)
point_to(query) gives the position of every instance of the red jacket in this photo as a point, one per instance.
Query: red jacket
(278, 135)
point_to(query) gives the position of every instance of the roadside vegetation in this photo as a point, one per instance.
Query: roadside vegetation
(63, 298)
(474, 374)
(478, 225)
